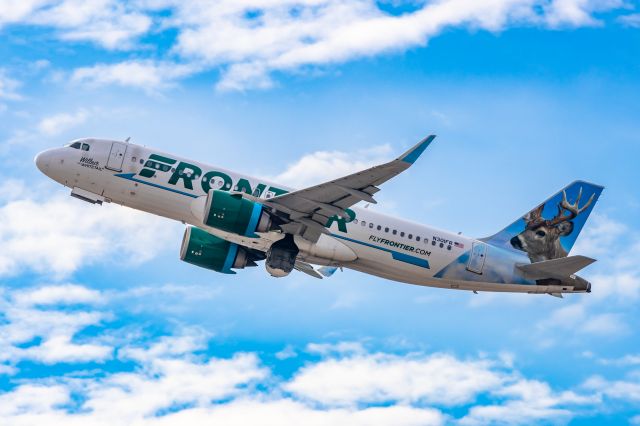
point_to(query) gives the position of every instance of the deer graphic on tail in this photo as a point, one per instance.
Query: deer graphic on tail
(541, 237)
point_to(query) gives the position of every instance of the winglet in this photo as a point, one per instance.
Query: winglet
(412, 155)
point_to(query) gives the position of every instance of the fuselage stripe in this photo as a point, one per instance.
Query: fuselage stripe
(129, 176)
(423, 263)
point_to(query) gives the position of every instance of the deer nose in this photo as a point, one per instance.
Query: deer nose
(516, 243)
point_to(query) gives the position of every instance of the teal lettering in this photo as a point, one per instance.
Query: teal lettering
(187, 172)
(245, 186)
(209, 176)
(342, 222)
(277, 191)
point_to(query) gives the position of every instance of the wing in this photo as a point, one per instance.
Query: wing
(308, 210)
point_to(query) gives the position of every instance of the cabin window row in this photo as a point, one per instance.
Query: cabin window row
(401, 233)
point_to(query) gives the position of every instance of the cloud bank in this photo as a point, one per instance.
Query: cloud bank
(174, 379)
(249, 41)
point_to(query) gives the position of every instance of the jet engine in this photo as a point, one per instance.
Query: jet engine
(202, 249)
(281, 257)
(232, 213)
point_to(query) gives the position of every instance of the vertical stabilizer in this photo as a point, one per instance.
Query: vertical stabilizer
(550, 230)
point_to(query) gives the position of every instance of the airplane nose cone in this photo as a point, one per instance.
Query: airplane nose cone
(42, 161)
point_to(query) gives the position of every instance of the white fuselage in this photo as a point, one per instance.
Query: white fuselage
(384, 246)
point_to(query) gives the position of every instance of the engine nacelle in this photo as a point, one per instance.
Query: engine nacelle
(281, 257)
(232, 213)
(202, 249)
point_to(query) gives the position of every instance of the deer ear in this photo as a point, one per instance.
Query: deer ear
(565, 228)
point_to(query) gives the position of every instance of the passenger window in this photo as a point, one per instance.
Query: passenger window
(75, 145)
(417, 238)
(386, 229)
(410, 236)
(379, 227)
(371, 225)
(355, 221)
(394, 232)
(85, 147)
(402, 234)
(364, 223)
(141, 161)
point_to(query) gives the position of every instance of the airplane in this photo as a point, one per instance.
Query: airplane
(233, 221)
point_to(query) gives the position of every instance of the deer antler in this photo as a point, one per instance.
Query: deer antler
(573, 209)
(534, 218)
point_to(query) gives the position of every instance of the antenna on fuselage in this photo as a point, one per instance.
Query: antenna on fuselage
(127, 139)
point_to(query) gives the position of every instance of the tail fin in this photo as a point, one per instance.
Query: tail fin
(550, 230)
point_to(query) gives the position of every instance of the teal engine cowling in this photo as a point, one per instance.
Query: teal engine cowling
(202, 249)
(233, 213)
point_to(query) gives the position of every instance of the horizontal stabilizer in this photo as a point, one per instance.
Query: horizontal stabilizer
(328, 271)
(556, 268)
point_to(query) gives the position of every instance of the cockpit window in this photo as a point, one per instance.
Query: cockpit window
(75, 145)
(85, 147)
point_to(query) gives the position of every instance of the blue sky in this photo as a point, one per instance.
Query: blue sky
(102, 324)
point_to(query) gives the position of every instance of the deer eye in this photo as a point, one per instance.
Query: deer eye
(541, 233)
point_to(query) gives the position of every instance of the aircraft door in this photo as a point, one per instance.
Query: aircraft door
(477, 257)
(116, 156)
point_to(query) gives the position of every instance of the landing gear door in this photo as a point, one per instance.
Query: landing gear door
(477, 258)
(116, 156)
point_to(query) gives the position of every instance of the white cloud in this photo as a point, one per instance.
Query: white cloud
(8, 86)
(112, 24)
(173, 379)
(287, 352)
(18, 10)
(380, 378)
(601, 233)
(248, 41)
(59, 123)
(287, 412)
(340, 348)
(252, 40)
(626, 360)
(631, 20)
(59, 294)
(625, 390)
(33, 331)
(148, 75)
(58, 235)
(322, 166)
(577, 318)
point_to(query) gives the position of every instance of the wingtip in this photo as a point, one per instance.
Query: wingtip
(412, 155)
